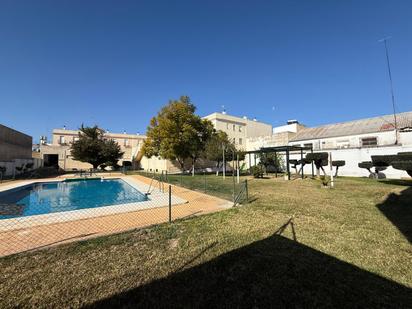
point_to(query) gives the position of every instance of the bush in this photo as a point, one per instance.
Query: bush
(257, 171)
(383, 160)
(404, 166)
(403, 162)
(320, 159)
(337, 164)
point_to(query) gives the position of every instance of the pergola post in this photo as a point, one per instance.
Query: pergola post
(287, 163)
(250, 163)
(313, 169)
(301, 161)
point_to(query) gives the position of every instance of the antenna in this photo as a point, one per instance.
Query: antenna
(223, 109)
(391, 84)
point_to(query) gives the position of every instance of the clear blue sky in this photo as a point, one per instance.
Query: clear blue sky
(115, 63)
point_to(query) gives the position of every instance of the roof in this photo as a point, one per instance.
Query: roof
(231, 118)
(356, 127)
(277, 149)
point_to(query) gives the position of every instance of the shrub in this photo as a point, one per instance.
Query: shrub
(337, 164)
(256, 171)
(320, 159)
(403, 162)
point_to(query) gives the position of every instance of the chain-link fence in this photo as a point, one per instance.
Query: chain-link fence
(38, 213)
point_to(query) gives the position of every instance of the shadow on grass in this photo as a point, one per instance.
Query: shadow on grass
(398, 209)
(273, 272)
(397, 182)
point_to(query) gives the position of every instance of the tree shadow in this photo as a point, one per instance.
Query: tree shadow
(398, 209)
(397, 182)
(273, 272)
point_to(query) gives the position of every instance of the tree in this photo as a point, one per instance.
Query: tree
(214, 148)
(368, 165)
(337, 164)
(320, 159)
(91, 147)
(294, 164)
(271, 161)
(302, 163)
(403, 161)
(176, 133)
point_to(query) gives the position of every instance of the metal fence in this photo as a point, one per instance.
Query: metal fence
(39, 213)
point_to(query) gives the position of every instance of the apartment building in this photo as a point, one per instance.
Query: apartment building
(239, 129)
(58, 152)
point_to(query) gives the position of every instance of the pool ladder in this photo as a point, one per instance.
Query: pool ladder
(160, 182)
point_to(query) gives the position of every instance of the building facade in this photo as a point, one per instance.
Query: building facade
(57, 153)
(239, 129)
(15, 151)
(14, 144)
(356, 141)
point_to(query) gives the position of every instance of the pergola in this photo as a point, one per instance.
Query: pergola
(281, 149)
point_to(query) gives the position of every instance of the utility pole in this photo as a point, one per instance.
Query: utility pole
(391, 84)
(224, 163)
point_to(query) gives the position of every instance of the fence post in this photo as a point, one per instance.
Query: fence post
(247, 191)
(204, 176)
(170, 203)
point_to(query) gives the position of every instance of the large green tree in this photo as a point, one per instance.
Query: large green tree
(177, 133)
(91, 147)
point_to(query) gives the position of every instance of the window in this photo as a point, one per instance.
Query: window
(240, 128)
(342, 143)
(369, 142)
(308, 145)
(240, 141)
(227, 126)
(234, 140)
(61, 140)
(126, 142)
(234, 127)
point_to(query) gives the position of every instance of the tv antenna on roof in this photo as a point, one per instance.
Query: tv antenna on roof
(223, 109)
(391, 84)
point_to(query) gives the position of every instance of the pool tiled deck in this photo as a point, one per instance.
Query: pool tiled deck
(41, 236)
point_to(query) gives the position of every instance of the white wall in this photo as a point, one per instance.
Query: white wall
(353, 156)
(11, 165)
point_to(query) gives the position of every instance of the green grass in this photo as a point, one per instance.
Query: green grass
(206, 183)
(295, 245)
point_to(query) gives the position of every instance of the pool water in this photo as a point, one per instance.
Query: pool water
(51, 197)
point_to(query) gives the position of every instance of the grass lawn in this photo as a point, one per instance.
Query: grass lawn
(294, 245)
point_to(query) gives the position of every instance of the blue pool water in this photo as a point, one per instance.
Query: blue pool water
(44, 198)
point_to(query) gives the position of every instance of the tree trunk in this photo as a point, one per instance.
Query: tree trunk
(182, 165)
(217, 168)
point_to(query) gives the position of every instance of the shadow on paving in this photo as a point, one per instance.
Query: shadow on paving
(274, 272)
(398, 209)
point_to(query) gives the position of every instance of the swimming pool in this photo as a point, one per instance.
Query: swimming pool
(53, 197)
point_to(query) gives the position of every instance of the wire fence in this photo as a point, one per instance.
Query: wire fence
(39, 213)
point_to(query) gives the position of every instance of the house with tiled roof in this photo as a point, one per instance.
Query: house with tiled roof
(364, 133)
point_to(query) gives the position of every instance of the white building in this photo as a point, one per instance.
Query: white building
(239, 129)
(355, 141)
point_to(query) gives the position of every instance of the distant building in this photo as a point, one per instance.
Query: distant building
(239, 129)
(280, 136)
(356, 141)
(14, 144)
(363, 133)
(15, 151)
(58, 152)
